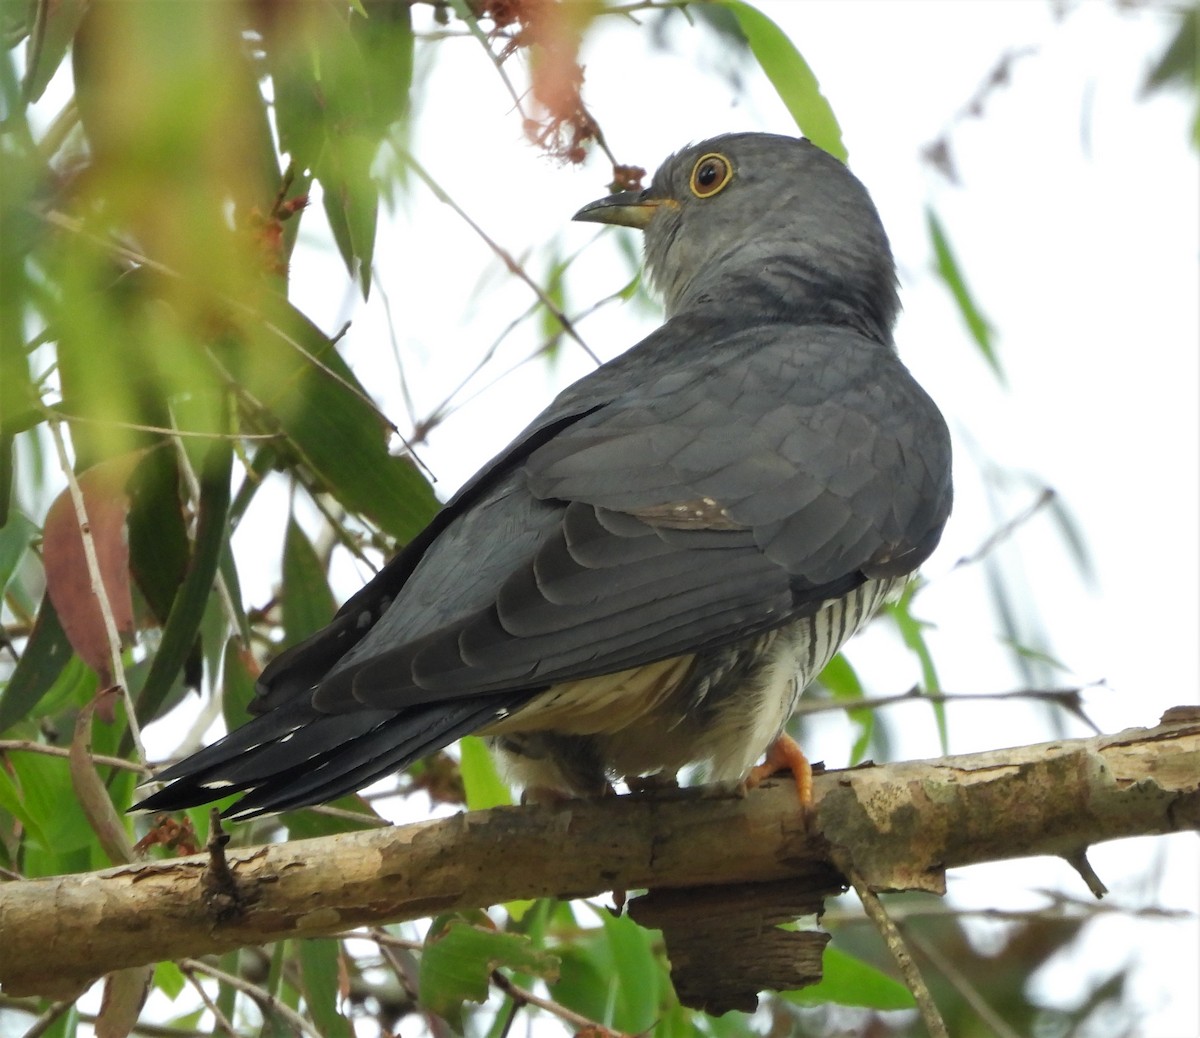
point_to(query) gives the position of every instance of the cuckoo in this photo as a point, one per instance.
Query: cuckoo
(649, 575)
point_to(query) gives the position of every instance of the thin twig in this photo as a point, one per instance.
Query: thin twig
(98, 588)
(468, 17)
(964, 987)
(505, 257)
(222, 1020)
(895, 944)
(1006, 530)
(44, 1022)
(515, 991)
(30, 1006)
(266, 1001)
(195, 434)
(29, 746)
(1064, 697)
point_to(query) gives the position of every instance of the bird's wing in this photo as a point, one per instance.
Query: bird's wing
(741, 482)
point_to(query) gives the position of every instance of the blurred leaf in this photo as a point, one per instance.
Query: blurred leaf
(90, 792)
(237, 683)
(912, 632)
(329, 100)
(329, 419)
(614, 975)
(47, 794)
(125, 993)
(13, 802)
(950, 272)
(1073, 538)
(840, 678)
(158, 538)
(308, 604)
(45, 655)
(53, 28)
(15, 538)
(482, 781)
(849, 981)
(179, 632)
(322, 980)
(1179, 65)
(68, 575)
(791, 77)
(459, 958)
(169, 979)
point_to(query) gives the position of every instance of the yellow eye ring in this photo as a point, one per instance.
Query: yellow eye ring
(710, 174)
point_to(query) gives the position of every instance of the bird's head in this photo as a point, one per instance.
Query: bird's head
(763, 214)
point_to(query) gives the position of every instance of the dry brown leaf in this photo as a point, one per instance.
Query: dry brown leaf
(68, 581)
(124, 995)
(93, 796)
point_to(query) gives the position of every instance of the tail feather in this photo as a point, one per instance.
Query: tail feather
(292, 757)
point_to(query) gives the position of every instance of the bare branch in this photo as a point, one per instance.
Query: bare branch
(904, 825)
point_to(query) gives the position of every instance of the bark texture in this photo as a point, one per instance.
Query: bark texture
(902, 826)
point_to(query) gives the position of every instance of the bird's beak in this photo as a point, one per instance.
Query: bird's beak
(626, 208)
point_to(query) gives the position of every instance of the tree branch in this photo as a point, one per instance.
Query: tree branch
(902, 826)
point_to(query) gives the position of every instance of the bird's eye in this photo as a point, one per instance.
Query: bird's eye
(710, 174)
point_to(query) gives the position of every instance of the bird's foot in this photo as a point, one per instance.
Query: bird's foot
(784, 754)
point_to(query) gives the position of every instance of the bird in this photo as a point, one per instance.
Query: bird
(646, 579)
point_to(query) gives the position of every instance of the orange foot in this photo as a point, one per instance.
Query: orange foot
(785, 755)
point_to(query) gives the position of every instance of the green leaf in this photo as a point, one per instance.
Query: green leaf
(12, 802)
(303, 825)
(480, 778)
(179, 632)
(48, 796)
(791, 76)
(16, 536)
(308, 604)
(912, 631)
(616, 976)
(319, 976)
(459, 958)
(332, 424)
(840, 678)
(950, 272)
(50, 35)
(169, 979)
(46, 653)
(237, 685)
(329, 114)
(157, 530)
(848, 981)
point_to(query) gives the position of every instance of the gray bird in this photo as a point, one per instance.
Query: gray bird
(649, 575)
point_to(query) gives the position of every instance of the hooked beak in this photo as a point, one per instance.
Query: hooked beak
(626, 208)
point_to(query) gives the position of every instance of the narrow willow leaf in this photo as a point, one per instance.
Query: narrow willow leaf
(321, 977)
(791, 77)
(840, 678)
(46, 653)
(308, 604)
(951, 273)
(179, 633)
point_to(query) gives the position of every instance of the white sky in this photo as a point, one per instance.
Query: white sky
(1076, 223)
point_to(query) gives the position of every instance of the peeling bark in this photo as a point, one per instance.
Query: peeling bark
(902, 826)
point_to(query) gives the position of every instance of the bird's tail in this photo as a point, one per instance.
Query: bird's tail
(294, 757)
